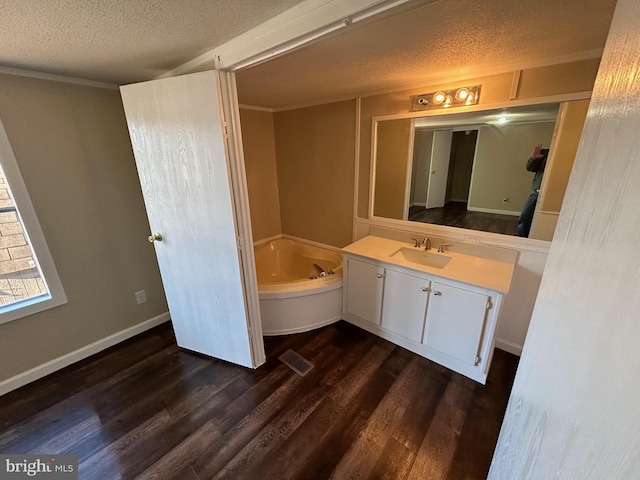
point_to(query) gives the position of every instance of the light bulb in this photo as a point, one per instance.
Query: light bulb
(462, 93)
(447, 101)
(438, 98)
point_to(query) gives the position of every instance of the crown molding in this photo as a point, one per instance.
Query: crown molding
(21, 72)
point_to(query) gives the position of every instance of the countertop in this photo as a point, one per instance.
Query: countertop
(482, 272)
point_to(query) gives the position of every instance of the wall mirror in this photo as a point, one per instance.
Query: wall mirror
(469, 170)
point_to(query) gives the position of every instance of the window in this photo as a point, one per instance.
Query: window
(20, 276)
(29, 282)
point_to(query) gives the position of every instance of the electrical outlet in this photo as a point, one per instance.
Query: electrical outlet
(141, 297)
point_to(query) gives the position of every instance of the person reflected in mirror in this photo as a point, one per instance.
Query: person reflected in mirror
(536, 163)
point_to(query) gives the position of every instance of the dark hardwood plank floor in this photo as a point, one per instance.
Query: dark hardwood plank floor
(369, 409)
(455, 214)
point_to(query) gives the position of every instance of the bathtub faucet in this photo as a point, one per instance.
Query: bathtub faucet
(320, 270)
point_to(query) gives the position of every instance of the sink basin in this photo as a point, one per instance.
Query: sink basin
(421, 257)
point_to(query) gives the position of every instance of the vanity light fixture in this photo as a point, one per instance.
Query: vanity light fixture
(447, 98)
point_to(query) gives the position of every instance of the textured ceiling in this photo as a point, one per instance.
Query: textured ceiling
(448, 38)
(125, 41)
(121, 41)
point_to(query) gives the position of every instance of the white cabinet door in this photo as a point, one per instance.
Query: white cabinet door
(455, 321)
(404, 305)
(364, 290)
(179, 145)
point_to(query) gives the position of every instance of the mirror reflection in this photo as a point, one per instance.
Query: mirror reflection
(474, 170)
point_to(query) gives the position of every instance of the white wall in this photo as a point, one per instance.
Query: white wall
(517, 307)
(499, 168)
(573, 412)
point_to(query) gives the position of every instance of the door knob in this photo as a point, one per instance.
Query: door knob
(156, 237)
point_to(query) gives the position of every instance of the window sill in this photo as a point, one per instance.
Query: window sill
(30, 306)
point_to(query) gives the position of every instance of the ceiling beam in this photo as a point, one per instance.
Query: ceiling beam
(298, 26)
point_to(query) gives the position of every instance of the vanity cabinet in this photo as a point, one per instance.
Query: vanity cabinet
(446, 321)
(365, 281)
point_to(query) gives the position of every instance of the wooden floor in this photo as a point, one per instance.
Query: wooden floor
(455, 214)
(369, 409)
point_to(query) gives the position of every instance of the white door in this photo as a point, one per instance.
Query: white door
(405, 304)
(439, 168)
(455, 322)
(179, 143)
(365, 284)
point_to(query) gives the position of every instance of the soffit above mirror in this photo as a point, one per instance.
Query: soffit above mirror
(452, 40)
(522, 114)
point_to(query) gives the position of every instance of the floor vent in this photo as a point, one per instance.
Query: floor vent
(296, 363)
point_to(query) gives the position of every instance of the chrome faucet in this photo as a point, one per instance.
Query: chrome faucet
(442, 247)
(426, 243)
(416, 243)
(320, 270)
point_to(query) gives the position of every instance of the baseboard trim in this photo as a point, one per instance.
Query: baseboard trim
(70, 358)
(494, 210)
(509, 347)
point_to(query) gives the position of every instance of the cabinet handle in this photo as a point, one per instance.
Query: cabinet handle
(437, 292)
(425, 289)
(379, 275)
